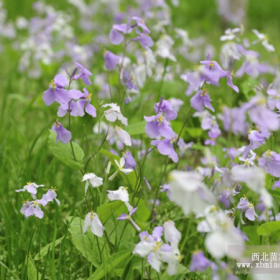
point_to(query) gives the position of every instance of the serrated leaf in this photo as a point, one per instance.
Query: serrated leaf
(47, 248)
(136, 128)
(110, 264)
(63, 152)
(268, 229)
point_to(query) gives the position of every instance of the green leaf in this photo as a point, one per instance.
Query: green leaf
(136, 128)
(110, 264)
(86, 243)
(116, 208)
(268, 229)
(194, 132)
(63, 152)
(32, 272)
(129, 178)
(47, 248)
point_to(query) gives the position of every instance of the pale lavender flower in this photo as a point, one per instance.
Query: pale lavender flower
(141, 23)
(273, 100)
(117, 31)
(270, 161)
(166, 107)
(276, 185)
(62, 134)
(261, 115)
(145, 41)
(199, 262)
(165, 147)
(49, 197)
(158, 126)
(248, 208)
(56, 91)
(83, 74)
(31, 188)
(129, 160)
(32, 209)
(200, 100)
(128, 217)
(111, 60)
(128, 82)
(213, 135)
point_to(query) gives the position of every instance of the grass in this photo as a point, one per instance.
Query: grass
(25, 156)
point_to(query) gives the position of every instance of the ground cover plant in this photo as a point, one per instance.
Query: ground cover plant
(138, 139)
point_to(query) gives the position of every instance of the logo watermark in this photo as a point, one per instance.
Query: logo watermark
(262, 259)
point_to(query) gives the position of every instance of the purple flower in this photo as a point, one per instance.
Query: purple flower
(111, 60)
(128, 217)
(199, 262)
(141, 23)
(31, 188)
(145, 41)
(213, 135)
(165, 147)
(56, 91)
(166, 188)
(261, 115)
(248, 208)
(214, 67)
(83, 104)
(83, 74)
(129, 160)
(49, 197)
(158, 126)
(270, 161)
(127, 81)
(273, 100)
(165, 107)
(64, 108)
(200, 100)
(229, 81)
(62, 134)
(276, 185)
(117, 31)
(32, 209)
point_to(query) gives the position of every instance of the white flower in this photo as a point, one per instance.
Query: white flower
(263, 39)
(171, 256)
(120, 194)
(230, 34)
(123, 136)
(249, 161)
(189, 192)
(254, 177)
(171, 234)
(94, 223)
(183, 34)
(164, 45)
(225, 234)
(121, 168)
(114, 113)
(31, 188)
(92, 179)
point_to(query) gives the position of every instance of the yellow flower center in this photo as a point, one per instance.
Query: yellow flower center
(88, 97)
(91, 215)
(160, 118)
(212, 65)
(52, 84)
(157, 246)
(268, 153)
(28, 183)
